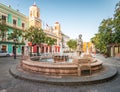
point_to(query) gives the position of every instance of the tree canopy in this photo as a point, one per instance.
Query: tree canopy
(15, 35)
(72, 44)
(108, 32)
(3, 30)
(50, 41)
(35, 35)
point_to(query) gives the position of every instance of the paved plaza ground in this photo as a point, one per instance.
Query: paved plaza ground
(9, 84)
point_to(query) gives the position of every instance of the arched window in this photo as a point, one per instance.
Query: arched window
(55, 28)
(30, 13)
(33, 13)
(37, 14)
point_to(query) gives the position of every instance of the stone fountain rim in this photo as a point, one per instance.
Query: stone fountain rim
(52, 64)
(110, 73)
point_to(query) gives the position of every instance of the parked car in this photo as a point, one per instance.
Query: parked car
(4, 53)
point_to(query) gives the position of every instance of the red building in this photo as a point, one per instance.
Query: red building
(44, 48)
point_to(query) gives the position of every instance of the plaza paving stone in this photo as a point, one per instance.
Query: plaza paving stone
(10, 84)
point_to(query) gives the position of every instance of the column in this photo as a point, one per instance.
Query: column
(113, 50)
(44, 49)
(118, 49)
(56, 49)
(48, 49)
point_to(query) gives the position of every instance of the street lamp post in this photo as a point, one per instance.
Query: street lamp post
(15, 48)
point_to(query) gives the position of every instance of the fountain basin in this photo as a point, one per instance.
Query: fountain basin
(59, 68)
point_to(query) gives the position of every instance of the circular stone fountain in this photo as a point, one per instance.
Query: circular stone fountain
(59, 65)
(40, 70)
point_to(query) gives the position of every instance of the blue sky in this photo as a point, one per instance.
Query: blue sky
(75, 16)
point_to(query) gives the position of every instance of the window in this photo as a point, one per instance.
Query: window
(55, 28)
(14, 22)
(4, 48)
(4, 36)
(33, 13)
(3, 19)
(37, 14)
(23, 25)
(30, 13)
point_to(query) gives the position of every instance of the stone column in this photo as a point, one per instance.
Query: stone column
(118, 50)
(113, 50)
(44, 49)
(57, 49)
(48, 49)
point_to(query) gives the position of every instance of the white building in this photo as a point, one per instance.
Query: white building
(65, 39)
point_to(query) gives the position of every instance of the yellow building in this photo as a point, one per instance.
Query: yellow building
(34, 16)
(88, 47)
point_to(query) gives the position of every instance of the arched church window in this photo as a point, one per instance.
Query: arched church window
(33, 13)
(30, 13)
(37, 14)
(55, 28)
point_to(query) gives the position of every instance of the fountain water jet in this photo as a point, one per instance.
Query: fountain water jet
(60, 57)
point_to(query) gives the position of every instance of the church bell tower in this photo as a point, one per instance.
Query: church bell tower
(34, 16)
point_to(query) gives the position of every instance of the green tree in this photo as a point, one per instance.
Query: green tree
(109, 31)
(15, 36)
(50, 41)
(72, 44)
(36, 36)
(116, 33)
(104, 36)
(3, 30)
